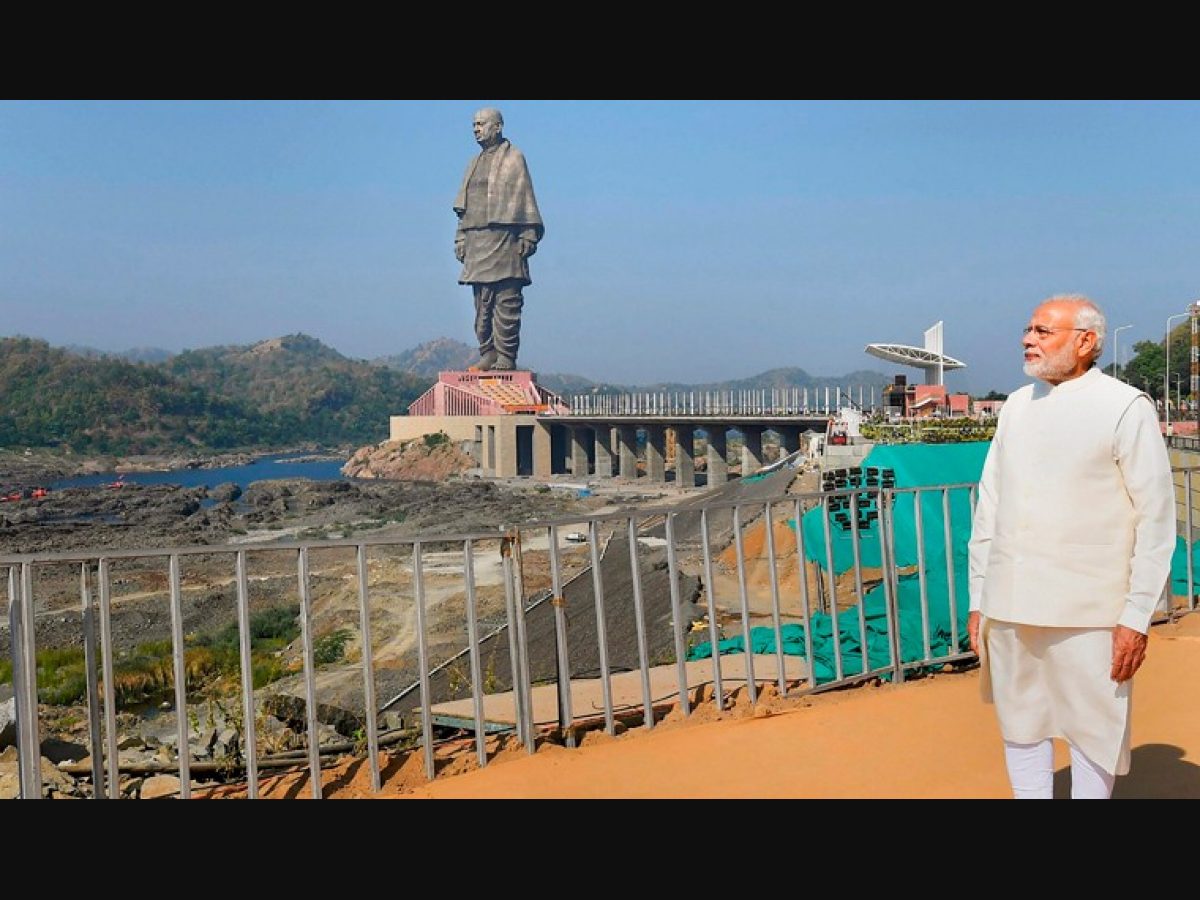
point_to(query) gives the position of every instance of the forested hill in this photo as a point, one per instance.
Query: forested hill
(277, 393)
(310, 391)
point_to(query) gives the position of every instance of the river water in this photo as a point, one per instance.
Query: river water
(270, 468)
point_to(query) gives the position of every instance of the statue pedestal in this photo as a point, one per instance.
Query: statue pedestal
(488, 394)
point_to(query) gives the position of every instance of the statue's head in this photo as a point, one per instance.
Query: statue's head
(489, 127)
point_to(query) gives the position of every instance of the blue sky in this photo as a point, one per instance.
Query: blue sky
(687, 240)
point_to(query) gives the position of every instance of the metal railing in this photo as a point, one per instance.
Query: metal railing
(790, 402)
(594, 634)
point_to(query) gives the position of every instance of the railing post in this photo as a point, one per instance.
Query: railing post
(29, 762)
(522, 688)
(1189, 543)
(566, 714)
(112, 755)
(370, 704)
(249, 728)
(310, 678)
(639, 612)
(90, 662)
(744, 597)
(423, 661)
(891, 585)
(180, 669)
(676, 612)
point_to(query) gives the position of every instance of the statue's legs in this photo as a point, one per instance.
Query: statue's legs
(498, 323)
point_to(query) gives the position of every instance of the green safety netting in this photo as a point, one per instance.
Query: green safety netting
(914, 466)
(1179, 568)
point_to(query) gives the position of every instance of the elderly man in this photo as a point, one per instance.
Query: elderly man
(499, 228)
(1071, 555)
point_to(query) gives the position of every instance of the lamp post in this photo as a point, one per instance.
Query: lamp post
(1116, 350)
(1179, 391)
(1167, 393)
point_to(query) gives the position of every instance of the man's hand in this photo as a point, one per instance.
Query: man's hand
(460, 251)
(526, 248)
(1129, 652)
(973, 626)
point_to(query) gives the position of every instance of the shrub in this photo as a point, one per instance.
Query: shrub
(331, 648)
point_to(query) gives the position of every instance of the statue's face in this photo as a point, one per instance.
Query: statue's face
(487, 130)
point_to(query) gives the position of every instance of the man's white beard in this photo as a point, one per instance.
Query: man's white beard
(1052, 367)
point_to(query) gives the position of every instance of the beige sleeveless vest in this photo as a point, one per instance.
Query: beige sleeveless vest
(1065, 527)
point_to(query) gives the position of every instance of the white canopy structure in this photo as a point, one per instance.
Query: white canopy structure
(932, 359)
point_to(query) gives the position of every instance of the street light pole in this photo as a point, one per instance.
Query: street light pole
(1167, 392)
(1116, 351)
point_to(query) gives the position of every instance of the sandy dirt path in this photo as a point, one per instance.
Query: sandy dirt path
(932, 739)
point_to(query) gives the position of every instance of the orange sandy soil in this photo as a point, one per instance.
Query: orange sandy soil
(931, 739)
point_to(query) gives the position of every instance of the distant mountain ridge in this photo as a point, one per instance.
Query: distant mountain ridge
(280, 392)
(432, 358)
(446, 355)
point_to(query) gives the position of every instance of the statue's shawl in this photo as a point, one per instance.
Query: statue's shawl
(510, 190)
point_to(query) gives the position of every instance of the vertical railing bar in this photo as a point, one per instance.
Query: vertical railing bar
(714, 632)
(20, 695)
(370, 703)
(744, 597)
(476, 666)
(610, 722)
(249, 727)
(523, 686)
(180, 670)
(891, 584)
(28, 728)
(855, 537)
(776, 601)
(922, 573)
(951, 586)
(566, 713)
(110, 692)
(95, 733)
(310, 677)
(423, 661)
(1189, 544)
(676, 614)
(639, 613)
(838, 665)
(510, 613)
(805, 595)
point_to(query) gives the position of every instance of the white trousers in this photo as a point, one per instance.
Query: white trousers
(1031, 771)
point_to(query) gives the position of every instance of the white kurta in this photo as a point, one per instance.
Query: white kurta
(1073, 535)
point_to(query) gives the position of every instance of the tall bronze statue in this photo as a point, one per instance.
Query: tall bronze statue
(499, 228)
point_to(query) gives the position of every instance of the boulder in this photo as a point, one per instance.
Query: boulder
(161, 787)
(8, 723)
(63, 751)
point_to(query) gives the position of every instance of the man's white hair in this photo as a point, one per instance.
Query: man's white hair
(1089, 317)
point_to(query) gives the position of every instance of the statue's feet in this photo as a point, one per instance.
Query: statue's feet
(504, 364)
(486, 363)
